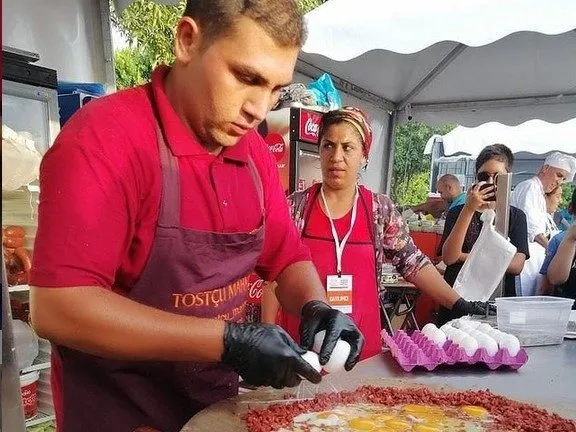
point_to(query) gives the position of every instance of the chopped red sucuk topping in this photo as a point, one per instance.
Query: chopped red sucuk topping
(509, 415)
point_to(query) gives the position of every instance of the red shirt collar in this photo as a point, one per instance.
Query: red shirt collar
(179, 139)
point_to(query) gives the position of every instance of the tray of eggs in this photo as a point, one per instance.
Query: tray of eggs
(461, 341)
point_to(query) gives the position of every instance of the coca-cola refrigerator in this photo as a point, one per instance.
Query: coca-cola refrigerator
(292, 137)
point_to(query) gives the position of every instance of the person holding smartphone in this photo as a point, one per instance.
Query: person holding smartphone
(463, 224)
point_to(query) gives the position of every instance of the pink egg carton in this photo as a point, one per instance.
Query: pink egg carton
(416, 350)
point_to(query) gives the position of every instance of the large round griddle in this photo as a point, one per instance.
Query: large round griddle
(226, 416)
(546, 380)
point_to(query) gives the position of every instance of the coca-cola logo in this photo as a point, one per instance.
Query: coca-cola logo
(276, 145)
(256, 289)
(309, 126)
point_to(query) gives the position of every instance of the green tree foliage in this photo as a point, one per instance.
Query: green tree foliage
(411, 172)
(414, 191)
(149, 27)
(567, 190)
(133, 67)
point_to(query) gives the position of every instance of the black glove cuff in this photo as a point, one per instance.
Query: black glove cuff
(230, 330)
(461, 307)
(312, 306)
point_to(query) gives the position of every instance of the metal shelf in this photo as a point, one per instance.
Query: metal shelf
(41, 362)
(19, 288)
(42, 417)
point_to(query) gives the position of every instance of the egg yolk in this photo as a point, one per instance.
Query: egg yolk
(426, 428)
(381, 418)
(422, 409)
(361, 424)
(475, 411)
(398, 425)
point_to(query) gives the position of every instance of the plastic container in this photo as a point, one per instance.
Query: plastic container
(29, 390)
(26, 343)
(537, 320)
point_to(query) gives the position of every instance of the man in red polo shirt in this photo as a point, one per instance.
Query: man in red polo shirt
(156, 203)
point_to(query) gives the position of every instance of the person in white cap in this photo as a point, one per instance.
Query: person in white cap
(530, 196)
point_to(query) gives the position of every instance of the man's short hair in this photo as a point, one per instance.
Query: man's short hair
(281, 19)
(450, 179)
(497, 152)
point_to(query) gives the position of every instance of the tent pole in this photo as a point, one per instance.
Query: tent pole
(431, 76)
(389, 158)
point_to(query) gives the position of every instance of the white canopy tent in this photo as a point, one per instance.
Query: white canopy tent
(448, 61)
(534, 136)
(456, 151)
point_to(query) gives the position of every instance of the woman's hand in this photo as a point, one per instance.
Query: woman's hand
(477, 198)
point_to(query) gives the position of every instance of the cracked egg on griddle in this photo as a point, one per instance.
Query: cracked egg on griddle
(405, 418)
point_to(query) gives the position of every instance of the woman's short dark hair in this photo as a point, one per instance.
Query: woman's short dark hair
(495, 151)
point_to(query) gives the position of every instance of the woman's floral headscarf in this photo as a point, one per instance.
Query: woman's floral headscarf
(353, 116)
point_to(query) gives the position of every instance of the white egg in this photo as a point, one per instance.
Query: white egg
(484, 328)
(486, 342)
(496, 335)
(445, 327)
(511, 343)
(475, 334)
(449, 330)
(455, 323)
(429, 328)
(459, 337)
(439, 338)
(318, 340)
(312, 358)
(473, 324)
(338, 357)
(470, 345)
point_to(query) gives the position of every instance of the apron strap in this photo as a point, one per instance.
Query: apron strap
(170, 194)
(258, 183)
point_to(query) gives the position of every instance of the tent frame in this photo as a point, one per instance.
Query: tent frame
(395, 109)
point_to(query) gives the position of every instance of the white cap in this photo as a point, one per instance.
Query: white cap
(562, 161)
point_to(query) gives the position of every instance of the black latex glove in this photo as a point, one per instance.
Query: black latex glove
(464, 307)
(265, 355)
(318, 316)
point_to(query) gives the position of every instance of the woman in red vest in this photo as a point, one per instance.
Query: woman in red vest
(352, 232)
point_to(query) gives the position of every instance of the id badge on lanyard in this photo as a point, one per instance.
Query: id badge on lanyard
(339, 286)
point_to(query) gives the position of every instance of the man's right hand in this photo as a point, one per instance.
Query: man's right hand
(265, 355)
(477, 198)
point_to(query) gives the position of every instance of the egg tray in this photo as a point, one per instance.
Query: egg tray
(415, 350)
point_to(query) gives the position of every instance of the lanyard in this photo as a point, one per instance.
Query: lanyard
(340, 244)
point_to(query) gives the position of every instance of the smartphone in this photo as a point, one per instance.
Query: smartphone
(482, 176)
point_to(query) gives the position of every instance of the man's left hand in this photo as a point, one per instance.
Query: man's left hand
(463, 307)
(318, 316)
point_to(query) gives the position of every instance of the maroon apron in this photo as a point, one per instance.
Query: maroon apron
(189, 272)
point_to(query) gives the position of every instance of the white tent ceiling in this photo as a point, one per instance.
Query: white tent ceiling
(464, 62)
(447, 61)
(534, 136)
